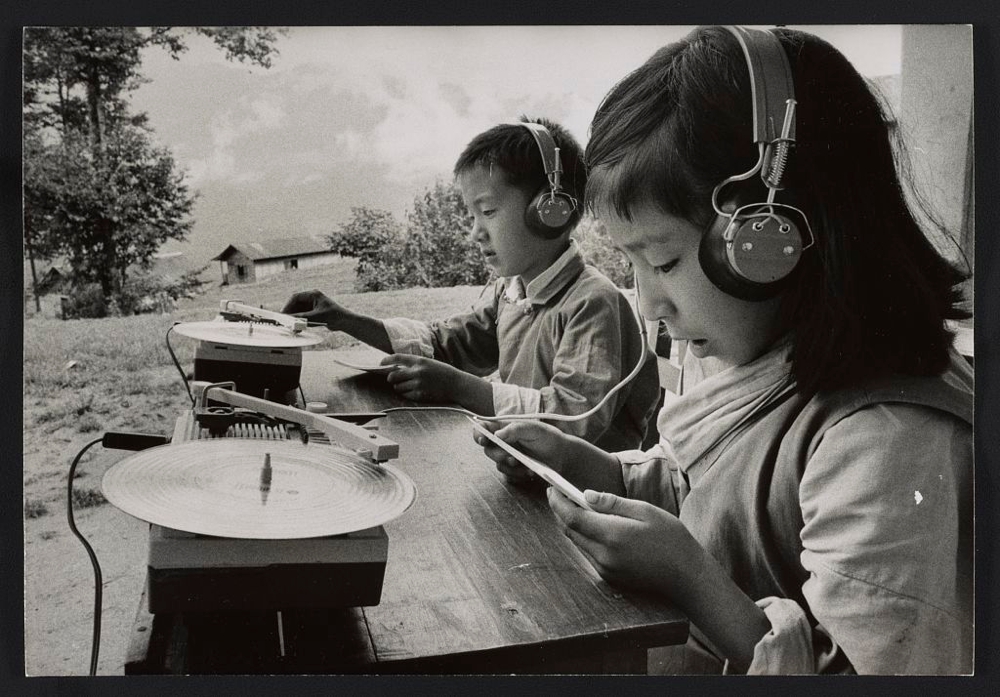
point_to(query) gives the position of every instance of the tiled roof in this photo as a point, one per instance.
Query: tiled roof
(278, 248)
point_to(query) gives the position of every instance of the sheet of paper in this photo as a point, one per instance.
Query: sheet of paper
(542, 470)
(367, 367)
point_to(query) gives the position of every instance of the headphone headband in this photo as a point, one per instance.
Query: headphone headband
(549, 211)
(749, 252)
(770, 83)
(546, 147)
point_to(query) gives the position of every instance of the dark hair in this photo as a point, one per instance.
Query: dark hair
(513, 150)
(872, 295)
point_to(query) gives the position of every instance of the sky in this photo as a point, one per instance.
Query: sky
(373, 116)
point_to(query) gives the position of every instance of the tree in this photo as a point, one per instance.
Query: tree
(433, 251)
(438, 239)
(108, 214)
(95, 188)
(366, 237)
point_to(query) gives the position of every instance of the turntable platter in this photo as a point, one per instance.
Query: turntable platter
(245, 334)
(219, 487)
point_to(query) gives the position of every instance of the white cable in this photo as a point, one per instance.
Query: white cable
(548, 416)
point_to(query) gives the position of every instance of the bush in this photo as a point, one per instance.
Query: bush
(438, 244)
(366, 237)
(146, 293)
(88, 498)
(35, 509)
(433, 251)
(85, 301)
(595, 245)
(139, 294)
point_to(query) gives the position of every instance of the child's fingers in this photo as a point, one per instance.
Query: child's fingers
(398, 359)
(521, 432)
(610, 504)
(514, 470)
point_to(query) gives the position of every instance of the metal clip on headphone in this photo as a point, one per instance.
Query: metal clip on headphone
(551, 209)
(750, 252)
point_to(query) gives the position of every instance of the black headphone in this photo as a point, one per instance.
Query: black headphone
(551, 209)
(751, 250)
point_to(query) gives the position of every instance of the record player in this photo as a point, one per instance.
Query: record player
(257, 504)
(260, 350)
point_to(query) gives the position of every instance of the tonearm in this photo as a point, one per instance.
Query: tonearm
(232, 309)
(363, 441)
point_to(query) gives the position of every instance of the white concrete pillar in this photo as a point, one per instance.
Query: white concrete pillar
(936, 113)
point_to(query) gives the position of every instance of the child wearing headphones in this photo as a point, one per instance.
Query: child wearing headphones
(559, 333)
(808, 505)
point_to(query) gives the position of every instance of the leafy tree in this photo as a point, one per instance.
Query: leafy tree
(106, 215)
(595, 245)
(95, 187)
(365, 237)
(433, 251)
(365, 234)
(438, 240)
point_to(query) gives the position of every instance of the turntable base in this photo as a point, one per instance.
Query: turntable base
(199, 573)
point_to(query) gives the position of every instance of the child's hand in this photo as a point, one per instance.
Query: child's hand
(423, 379)
(541, 441)
(315, 307)
(628, 541)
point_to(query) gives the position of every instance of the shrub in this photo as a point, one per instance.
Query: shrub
(365, 237)
(88, 423)
(87, 498)
(438, 243)
(35, 509)
(595, 245)
(147, 293)
(433, 251)
(86, 301)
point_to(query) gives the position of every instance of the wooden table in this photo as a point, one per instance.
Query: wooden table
(480, 579)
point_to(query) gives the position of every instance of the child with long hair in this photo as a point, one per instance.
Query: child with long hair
(808, 504)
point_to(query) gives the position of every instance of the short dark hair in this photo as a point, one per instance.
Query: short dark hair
(513, 150)
(872, 296)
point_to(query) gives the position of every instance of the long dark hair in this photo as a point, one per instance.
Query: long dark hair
(872, 296)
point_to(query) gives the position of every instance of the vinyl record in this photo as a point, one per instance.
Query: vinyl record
(221, 487)
(245, 334)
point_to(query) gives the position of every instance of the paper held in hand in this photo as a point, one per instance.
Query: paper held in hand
(543, 471)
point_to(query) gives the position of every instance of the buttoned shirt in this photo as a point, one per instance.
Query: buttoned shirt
(557, 347)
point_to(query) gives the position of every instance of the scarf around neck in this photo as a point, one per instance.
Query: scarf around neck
(717, 407)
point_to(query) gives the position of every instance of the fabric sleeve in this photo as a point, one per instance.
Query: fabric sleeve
(410, 336)
(587, 364)
(653, 477)
(467, 341)
(882, 506)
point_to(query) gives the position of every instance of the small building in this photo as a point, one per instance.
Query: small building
(247, 262)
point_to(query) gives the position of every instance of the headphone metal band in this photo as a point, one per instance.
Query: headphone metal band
(770, 82)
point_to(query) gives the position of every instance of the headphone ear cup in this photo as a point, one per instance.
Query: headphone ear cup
(548, 214)
(750, 258)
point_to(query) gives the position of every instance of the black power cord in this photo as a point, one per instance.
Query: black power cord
(177, 363)
(120, 441)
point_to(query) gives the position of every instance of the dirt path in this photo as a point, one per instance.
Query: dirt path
(59, 590)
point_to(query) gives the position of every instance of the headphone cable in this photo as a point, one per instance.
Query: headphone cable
(548, 416)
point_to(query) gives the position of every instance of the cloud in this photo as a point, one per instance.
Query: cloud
(230, 134)
(371, 116)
